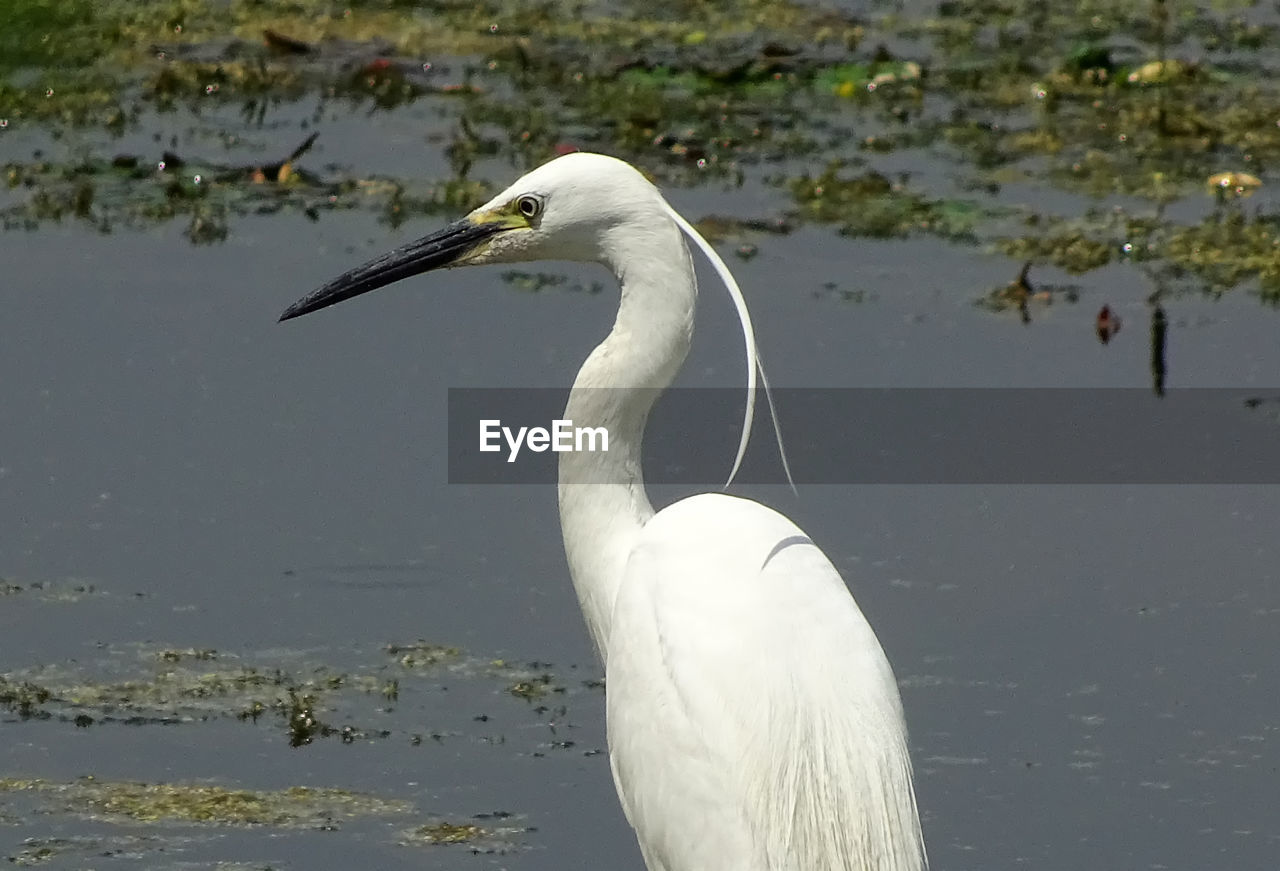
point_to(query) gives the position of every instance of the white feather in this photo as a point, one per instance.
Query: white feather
(754, 361)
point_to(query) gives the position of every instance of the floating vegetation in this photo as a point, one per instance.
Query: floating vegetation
(496, 836)
(1071, 248)
(448, 833)
(422, 654)
(203, 804)
(529, 680)
(67, 591)
(719, 228)
(1020, 294)
(295, 807)
(182, 685)
(38, 852)
(870, 204)
(308, 702)
(1156, 102)
(1233, 184)
(205, 655)
(24, 698)
(534, 687)
(534, 282)
(1225, 250)
(166, 696)
(131, 191)
(850, 79)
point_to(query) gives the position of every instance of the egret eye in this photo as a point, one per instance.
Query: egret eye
(530, 207)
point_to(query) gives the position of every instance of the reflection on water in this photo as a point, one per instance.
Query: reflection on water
(1159, 327)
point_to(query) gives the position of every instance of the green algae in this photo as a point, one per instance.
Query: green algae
(133, 191)
(536, 282)
(496, 836)
(525, 680)
(447, 833)
(422, 654)
(1229, 250)
(871, 204)
(294, 807)
(170, 695)
(37, 852)
(24, 697)
(534, 687)
(1145, 101)
(124, 42)
(158, 806)
(188, 686)
(1070, 248)
(306, 702)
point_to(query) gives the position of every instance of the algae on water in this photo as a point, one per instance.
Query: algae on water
(1143, 105)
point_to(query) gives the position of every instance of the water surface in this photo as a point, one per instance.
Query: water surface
(1088, 671)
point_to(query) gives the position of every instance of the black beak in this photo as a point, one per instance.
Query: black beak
(440, 249)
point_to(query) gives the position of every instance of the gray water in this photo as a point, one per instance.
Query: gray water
(1089, 672)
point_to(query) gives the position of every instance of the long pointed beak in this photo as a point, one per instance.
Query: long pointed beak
(441, 249)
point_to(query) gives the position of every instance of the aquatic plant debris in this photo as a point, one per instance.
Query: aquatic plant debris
(297, 807)
(149, 685)
(185, 686)
(498, 835)
(65, 591)
(448, 833)
(42, 852)
(150, 802)
(1156, 104)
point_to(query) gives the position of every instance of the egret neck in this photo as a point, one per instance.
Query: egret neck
(603, 503)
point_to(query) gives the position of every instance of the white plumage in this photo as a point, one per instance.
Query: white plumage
(754, 723)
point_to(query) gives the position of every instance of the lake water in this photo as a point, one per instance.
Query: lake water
(1089, 671)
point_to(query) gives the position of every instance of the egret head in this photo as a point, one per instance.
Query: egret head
(566, 209)
(586, 207)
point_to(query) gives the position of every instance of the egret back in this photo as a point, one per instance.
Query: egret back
(754, 721)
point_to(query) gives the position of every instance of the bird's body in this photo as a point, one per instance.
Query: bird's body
(753, 719)
(754, 723)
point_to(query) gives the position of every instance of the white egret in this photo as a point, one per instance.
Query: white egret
(754, 723)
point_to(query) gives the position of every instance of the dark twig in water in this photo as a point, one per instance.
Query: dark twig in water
(1159, 326)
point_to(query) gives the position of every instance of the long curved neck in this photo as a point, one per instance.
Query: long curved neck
(603, 503)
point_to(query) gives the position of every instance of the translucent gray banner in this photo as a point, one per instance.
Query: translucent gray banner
(890, 436)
